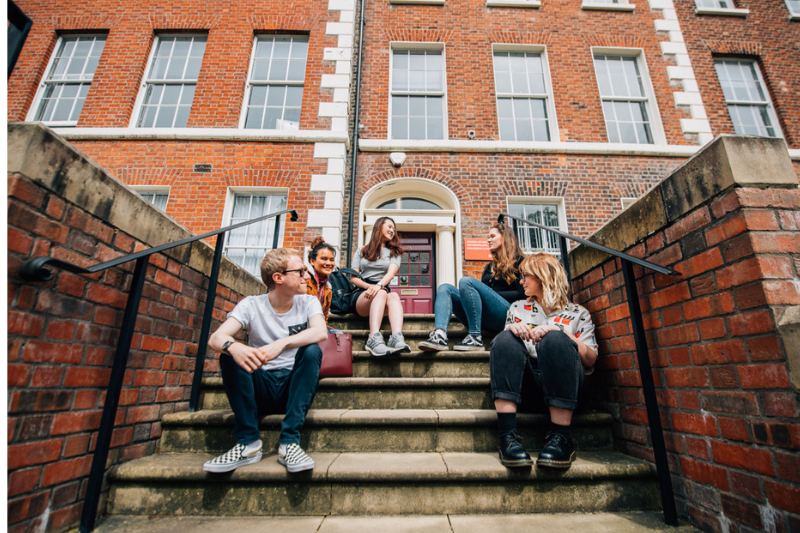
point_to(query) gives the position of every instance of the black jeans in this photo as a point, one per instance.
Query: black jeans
(264, 393)
(554, 379)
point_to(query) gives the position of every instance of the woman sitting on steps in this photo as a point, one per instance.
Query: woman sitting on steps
(539, 363)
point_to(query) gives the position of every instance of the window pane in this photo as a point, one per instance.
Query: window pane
(749, 105)
(246, 246)
(277, 60)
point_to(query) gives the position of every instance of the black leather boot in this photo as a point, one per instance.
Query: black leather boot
(558, 453)
(512, 452)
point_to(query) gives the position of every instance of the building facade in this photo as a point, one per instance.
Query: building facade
(559, 111)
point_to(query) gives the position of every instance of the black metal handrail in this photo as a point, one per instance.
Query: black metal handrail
(34, 270)
(645, 370)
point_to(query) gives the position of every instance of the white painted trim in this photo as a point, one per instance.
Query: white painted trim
(548, 81)
(721, 11)
(393, 145)
(656, 126)
(794, 155)
(204, 134)
(514, 3)
(589, 6)
(415, 45)
(423, 2)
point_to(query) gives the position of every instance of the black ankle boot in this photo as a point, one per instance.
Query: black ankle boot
(558, 453)
(512, 452)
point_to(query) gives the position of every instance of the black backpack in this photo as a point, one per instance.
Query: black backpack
(342, 289)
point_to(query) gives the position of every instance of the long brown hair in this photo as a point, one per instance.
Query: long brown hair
(504, 260)
(372, 251)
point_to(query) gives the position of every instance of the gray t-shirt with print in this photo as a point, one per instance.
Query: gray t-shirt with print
(374, 271)
(265, 326)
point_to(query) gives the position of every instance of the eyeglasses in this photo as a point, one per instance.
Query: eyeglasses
(303, 271)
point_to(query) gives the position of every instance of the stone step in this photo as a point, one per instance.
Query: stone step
(636, 522)
(419, 364)
(412, 337)
(380, 393)
(397, 430)
(381, 484)
(411, 322)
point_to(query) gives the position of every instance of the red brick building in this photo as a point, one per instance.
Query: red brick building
(561, 111)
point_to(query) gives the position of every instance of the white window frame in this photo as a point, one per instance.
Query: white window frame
(794, 14)
(402, 45)
(141, 190)
(423, 2)
(767, 103)
(719, 9)
(250, 84)
(607, 5)
(535, 4)
(541, 200)
(227, 213)
(137, 107)
(656, 126)
(548, 83)
(627, 201)
(37, 101)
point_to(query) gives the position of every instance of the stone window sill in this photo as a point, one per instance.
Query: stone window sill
(588, 6)
(722, 12)
(514, 3)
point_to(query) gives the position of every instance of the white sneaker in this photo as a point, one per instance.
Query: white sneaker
(237, 456)
(294, 458)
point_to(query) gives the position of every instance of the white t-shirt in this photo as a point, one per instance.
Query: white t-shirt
(265, 326)
(575, 319)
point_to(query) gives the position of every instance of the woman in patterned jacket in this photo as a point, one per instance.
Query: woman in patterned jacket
(540, 360)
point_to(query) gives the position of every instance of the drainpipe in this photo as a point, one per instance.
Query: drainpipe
(354, 144)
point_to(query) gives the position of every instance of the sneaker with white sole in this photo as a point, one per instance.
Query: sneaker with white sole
(436, 342)
(376, 345)
(237, 456)
(294, 458)
(397, 344)
(471, 343)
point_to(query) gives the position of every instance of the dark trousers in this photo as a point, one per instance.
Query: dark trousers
(265, 393)
(554, 379)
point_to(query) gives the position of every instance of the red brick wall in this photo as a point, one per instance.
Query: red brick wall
(197, 199)
(468, 29)
(766, 34)
(230, 26)
(590, 185)
(61, 340)
(727, 405)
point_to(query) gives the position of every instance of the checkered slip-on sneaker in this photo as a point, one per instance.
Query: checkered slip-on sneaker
(376, 345)
(237, 456)
(294, 458)
(436, 342)
(397, 344)
(471, 343)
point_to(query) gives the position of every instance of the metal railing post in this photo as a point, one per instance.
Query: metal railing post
(277, 235)
(208, 313)
(97, 472)
(651, 403)
(562, 244)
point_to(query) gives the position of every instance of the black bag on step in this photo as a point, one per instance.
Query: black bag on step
(342, 289)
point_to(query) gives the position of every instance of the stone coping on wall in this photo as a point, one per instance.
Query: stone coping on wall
(726, 162)
(39, 154)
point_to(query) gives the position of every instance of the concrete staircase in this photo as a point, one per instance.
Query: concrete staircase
(407, 435)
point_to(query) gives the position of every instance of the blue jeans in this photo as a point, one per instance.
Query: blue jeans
(278, 391)
(475, 305)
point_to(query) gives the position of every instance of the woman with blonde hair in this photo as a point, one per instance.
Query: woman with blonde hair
(378, 263)
(540, 361)
(480, 304)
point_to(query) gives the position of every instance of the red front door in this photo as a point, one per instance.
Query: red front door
(415, 280)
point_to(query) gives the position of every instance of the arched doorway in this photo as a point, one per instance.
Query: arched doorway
(427, 215)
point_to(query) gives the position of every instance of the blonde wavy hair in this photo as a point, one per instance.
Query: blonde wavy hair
(548, 270)
(275, 261)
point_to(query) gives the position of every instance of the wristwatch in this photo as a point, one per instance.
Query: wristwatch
(559, 326)
(380, 285)
(226, 345)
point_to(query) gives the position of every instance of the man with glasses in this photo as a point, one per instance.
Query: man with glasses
(278, 372)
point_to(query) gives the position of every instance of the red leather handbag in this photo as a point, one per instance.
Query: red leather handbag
(337, 356)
